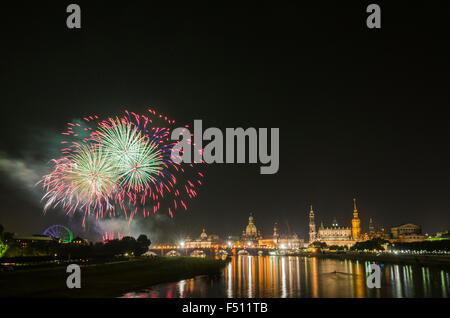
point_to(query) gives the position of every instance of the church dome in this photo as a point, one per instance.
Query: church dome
(251, 230)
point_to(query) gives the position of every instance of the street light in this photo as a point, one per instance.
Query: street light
(182, 244)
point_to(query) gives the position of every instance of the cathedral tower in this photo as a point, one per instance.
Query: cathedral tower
(251, 233)
(312, 226)
(371, 227)
(356, 222)
(275, 233)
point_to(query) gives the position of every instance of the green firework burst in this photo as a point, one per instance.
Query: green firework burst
(139, 160)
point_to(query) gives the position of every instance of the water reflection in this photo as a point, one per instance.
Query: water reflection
(294, 276)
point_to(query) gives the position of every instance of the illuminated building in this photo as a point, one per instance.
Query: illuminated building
(203, 241)
(270, 242)
(371, 227)
(336, 235)
(407, 233)
(276, 236)
(374, 233)
(443, 235)
(24, 241)
(356, 222)
(290, 242)
(80, 241)
(251, 233)
(281, 241)
(312, 225)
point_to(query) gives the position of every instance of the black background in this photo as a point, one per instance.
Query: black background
(361, 112)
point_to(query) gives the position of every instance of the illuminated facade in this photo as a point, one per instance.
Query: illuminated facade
(251, 233)
(204, 241)
(312, 225)
(407, 233)
(281, 241)
(356, 222)
(290, 242)
(336, 235)
(374, 233)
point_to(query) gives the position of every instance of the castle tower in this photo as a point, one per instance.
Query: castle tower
(275, 233)
(371, 227)
(335, 223)
(203, 236)
(312, 226)
(356, 222)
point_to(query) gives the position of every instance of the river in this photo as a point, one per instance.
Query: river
(296, 276)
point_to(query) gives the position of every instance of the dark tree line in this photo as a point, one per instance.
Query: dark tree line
(373, 244)
(429, 246)
(127, 246)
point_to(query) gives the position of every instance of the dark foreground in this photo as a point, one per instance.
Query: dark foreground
(422, 260)
(307, 277)
(105, 280)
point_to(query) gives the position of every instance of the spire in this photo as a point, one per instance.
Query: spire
(356, 222)
(355, 209)
(335, 223)
(371, 227)
(312, 225)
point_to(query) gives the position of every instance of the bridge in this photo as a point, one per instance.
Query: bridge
(168, 250)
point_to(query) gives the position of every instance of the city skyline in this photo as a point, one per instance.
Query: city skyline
(353, 121)
(225, 155)
(266, 230)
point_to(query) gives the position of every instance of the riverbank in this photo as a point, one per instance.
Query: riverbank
(423, 260)
(105, 280)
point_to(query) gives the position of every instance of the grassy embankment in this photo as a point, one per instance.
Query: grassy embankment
(105, 280)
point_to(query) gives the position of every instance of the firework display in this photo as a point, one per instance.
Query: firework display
(120, 166)
(109, 236)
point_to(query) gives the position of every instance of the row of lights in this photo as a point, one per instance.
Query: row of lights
(182, 244)
(419, 252)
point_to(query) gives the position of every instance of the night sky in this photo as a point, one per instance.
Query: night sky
(361, 112)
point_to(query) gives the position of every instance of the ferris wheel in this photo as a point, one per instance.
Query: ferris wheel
(59, 232)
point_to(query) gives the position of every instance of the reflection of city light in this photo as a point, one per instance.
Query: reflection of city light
(230, 279)
(181, 286)
(283, 278)
(250, 277)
